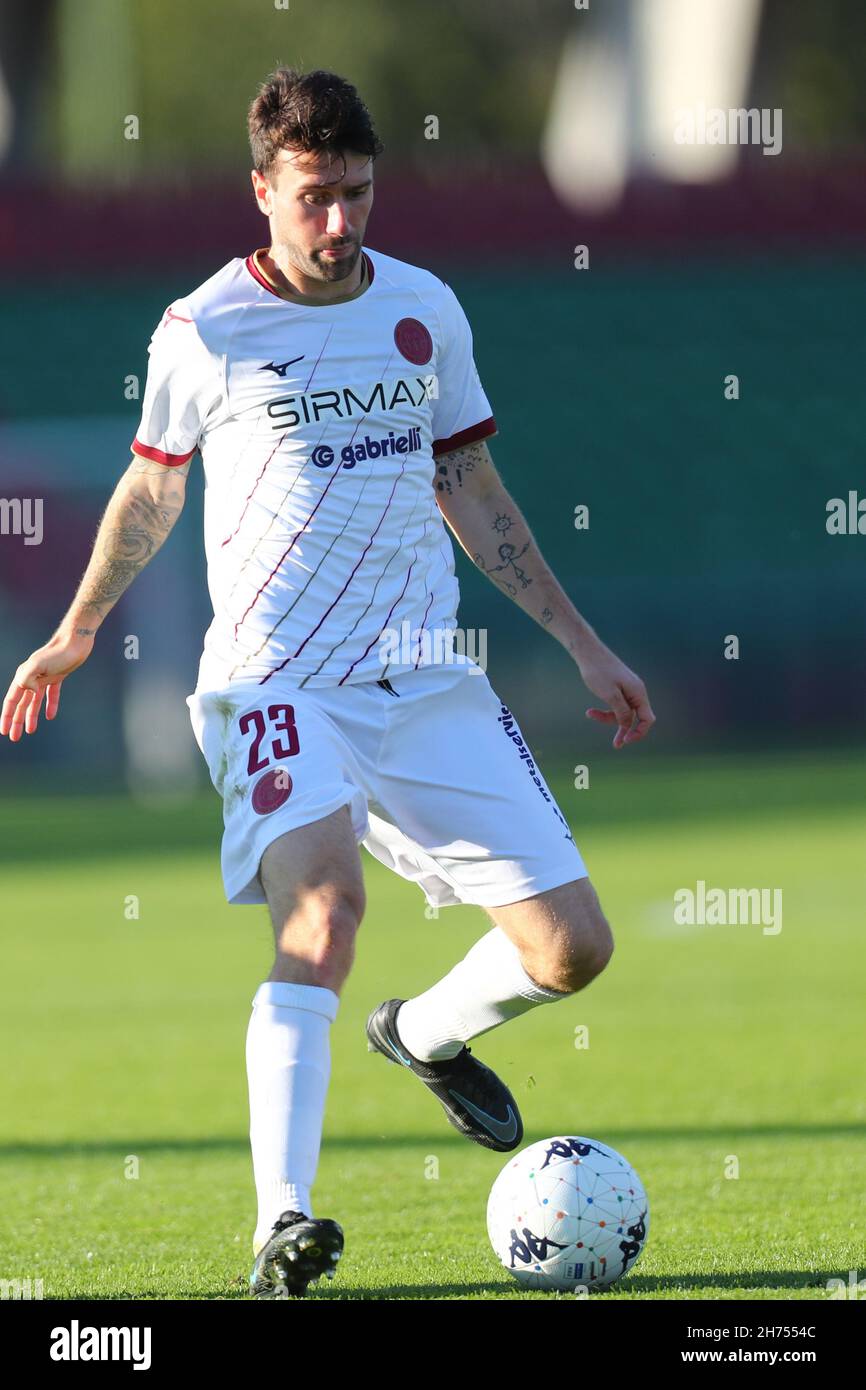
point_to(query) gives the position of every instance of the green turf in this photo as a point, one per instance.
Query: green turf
(125, 1038)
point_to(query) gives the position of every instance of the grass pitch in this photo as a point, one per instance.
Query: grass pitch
(712, 1049)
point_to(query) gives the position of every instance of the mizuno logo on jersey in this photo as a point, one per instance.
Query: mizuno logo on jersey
(280, 367)
(313, 406)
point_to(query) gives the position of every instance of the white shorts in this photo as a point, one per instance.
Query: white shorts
(437, 776)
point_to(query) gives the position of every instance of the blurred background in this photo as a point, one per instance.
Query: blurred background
(516, 133)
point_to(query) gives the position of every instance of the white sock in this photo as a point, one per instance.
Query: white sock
(288, 1069)
(488, 987)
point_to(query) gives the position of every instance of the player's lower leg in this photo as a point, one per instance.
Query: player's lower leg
(485, 989)
(543, 948)
(312, 880)
(288, 1069)
(488, 987)
(564, 931)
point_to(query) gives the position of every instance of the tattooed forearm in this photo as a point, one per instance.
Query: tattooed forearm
(145, 506)
(495, 535)
(122, 551)
(508, 568)
(518, 568)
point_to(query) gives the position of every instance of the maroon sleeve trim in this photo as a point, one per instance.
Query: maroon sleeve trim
(157, 455)
(483, 430)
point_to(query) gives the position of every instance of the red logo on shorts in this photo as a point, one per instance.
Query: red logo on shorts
(414, 341)
(271, 791)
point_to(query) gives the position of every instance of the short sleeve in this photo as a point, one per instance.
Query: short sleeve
(461, 410)
(182, 386)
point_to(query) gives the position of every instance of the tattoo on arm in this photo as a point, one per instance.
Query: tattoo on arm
(511, 561)
(502, 568)
(507, 574)
(145, 466)
(508, 556)
(453, 468)
(136, 522)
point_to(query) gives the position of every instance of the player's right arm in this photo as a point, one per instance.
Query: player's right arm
(140, 514)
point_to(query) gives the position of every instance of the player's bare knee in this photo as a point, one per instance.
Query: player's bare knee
(327, 914)
(582, 951)
(596, 948)
(319, 932)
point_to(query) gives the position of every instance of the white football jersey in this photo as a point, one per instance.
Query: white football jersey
(318, 426)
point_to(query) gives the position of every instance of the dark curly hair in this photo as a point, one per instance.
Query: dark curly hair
(312, 111)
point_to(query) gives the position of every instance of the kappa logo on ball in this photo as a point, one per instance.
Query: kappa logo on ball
(271, 791)
(414, 341)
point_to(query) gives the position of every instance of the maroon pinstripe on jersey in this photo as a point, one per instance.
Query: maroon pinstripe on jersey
(318, 424)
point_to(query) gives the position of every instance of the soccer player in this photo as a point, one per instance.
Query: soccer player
(332, 394)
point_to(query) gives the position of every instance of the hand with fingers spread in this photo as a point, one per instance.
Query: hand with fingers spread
(625, 693)
(40, 678)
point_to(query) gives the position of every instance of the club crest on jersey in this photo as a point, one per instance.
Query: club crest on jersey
(271, 791)
(413, 341)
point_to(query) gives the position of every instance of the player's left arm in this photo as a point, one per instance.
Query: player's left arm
(494, 533)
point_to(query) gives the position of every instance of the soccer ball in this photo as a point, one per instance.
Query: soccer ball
(568, 1212)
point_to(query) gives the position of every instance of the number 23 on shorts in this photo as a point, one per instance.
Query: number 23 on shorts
(275, 735)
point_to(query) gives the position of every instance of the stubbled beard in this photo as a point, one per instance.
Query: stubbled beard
(313, 266)
(322, 269)
(338, 268)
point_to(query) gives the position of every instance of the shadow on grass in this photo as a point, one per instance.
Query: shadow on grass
(728, 787)
(637, 1286)
(208, 1144)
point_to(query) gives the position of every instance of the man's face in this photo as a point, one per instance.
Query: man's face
(318, 209)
